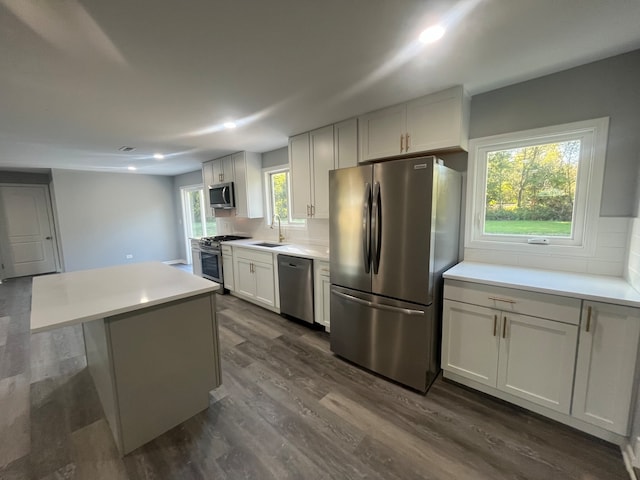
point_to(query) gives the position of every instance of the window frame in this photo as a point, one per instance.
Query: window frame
(268, 196)
(593, 137)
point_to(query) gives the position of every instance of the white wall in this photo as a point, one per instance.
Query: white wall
(104, 216)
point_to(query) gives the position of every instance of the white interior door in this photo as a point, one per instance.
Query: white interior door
(27, 237)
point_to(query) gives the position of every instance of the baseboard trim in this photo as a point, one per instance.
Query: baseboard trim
(174, 262)
(629, 458)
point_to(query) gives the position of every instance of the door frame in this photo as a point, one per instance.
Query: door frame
(50, 218)
(184, 191)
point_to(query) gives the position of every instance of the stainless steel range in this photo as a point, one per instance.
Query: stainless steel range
(211, 256)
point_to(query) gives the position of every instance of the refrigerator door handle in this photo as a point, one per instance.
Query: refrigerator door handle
(379, 306)
(376, 227)
(366, 227)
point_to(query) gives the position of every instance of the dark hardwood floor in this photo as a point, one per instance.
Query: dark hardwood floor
(287, 409)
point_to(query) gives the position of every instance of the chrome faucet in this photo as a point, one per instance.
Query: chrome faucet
(280, 235)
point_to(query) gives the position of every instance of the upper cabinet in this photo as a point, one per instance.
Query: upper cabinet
(244, 169)
(311, 156)
(247, 168)
(223, 170)
(345, 139)
(432, 123)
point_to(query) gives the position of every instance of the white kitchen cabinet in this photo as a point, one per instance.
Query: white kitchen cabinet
(196, 261)
(227, 268)
(431, 123)
(345, 139)
(222, 169)
(300, 175)
(606, 365)
(207, 181)
(470, 341)
(254, 276)
(322, 291)
(311, 156)
(495, 343)
(247, 167)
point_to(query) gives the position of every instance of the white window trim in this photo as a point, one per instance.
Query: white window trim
(593, 135)
(266, 172)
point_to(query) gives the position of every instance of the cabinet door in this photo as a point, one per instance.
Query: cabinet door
(228, 168)
(321, 150)
(470, 341)
(435, 122)
(207, 177)
(227, 272)
(606, 365)
(217, 173)
(245, 282)
(381, 133)
(248, 184)
(196, 263)
(345, 138)
(321, 293)
(537, 360)
(300, 175)
(265, 284)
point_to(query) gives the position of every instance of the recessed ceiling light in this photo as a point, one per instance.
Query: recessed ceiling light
(432, 34)
(133, 169)
(158, 156)
(124, 148)
(230, 125)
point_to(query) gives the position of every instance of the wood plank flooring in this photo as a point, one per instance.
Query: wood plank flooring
(288, 409)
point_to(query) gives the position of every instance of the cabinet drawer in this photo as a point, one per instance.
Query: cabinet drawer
(226, 249)
(541, 305)
(254, 255)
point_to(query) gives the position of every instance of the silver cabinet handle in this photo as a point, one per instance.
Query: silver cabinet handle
(504, 327)
(379, 306)
(498, 299)
(49, 238)
(313, 210)
(495, 324)
(407, 143)
(401, 143)
(588, 318)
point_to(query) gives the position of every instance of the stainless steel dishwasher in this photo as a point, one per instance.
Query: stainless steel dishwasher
(296, 287)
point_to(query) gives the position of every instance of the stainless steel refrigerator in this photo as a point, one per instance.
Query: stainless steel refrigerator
(394, 229)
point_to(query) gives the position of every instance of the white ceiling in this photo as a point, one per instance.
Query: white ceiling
(80, 78)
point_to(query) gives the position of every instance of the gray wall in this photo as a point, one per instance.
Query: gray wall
(275, 158)
(104, 216)
(184, 180)
(610, 87)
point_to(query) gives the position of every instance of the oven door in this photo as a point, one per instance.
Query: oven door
(212, 265)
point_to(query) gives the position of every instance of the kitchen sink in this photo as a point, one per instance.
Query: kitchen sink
(267, 244)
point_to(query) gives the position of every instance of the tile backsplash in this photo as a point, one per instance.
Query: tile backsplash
(610, 256)
(316, 231)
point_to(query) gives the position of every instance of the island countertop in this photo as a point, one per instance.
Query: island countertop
(75, 297)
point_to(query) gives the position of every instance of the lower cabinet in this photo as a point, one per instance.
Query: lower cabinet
(322, 291)
(528, 357)
(579, 361)
(606, 365)
(227, 268)
(196, 262)
(254, 276)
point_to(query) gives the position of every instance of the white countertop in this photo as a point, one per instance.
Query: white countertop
(75, 297)
(599, 288)
(316, 252)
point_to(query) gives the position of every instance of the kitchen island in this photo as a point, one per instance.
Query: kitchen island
(151, 341)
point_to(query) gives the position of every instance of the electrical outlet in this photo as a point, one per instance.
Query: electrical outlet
(128, 256)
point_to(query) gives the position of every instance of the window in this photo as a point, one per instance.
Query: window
(539, 186)
(197, 216)
(278, 193)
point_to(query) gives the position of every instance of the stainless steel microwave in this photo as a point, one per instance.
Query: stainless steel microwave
(222, 195)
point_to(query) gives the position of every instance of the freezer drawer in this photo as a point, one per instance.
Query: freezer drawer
(396, 339)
